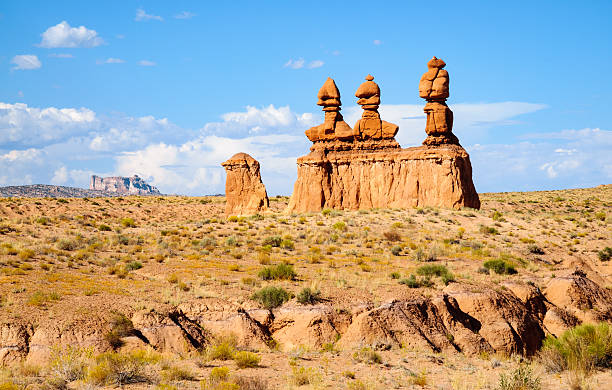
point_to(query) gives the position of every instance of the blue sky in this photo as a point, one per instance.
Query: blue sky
(169, 90)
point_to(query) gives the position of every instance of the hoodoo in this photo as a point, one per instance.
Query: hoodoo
(244, 191)
(365, 167)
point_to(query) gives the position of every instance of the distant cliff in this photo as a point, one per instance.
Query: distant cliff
(50, 191)
(122, 185)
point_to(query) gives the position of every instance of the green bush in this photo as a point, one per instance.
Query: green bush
(287, 244)
(396, 250)
(271, 297)
(246, 359)
(605, 254)
(581, 349)
(395, 275)
(520, 379)
(278, 272)
(274, 241)
(128, 222)
(500, 267)
(341, 226)
(133, 265)
(308, 296)
(104, 228)
(223, 350)
(413, 282)
(488, 230)
(436, 270)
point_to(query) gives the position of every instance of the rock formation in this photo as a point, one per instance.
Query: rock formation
(434, 88)
(244, 191)
(370, 170)
(122, 185)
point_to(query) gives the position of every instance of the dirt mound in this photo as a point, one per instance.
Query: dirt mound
(14, 342)
(504, 321)
(581, 297)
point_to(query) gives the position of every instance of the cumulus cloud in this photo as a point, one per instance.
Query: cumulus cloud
(264, 120)
(26, 62)
(141, 15)
(30, 126)
(17, 166)
(62, 35)
(146, 63)
(184, 15)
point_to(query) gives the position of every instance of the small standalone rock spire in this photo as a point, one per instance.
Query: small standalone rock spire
(245, 193)
(370, 126)
(434, 88)
(334, 126)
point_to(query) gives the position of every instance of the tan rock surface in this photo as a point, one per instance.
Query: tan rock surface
(334, 126)
(384, 177)
(244, 191)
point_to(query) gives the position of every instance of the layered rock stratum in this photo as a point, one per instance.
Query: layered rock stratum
(244, 191)
(134, 185)
(366, 167)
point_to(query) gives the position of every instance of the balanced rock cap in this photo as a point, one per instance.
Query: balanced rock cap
(329, 90)
(368, 89)
(240, 157)
(436, 63)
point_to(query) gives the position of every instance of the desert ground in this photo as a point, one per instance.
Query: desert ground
(167, 293)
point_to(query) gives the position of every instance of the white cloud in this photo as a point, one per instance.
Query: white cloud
(146, 63)
(26, 62)
(26, 126)
(60, 176)
(112, 60)
(62, 35)
(61, 55)
(377, 42)
(264, 120)
(294, 64)
(315, 64)
(141, 15)
(184, 15)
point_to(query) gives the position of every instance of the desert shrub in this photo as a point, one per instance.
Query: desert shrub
(128, 222)
(42, 220)
(412, 282)
(287, 243)
(396, 250)
(536, 250)
(367, 355)
(251, 383)
(40, 298)
(605, 254)
(600, 215)
(581, 349)
(133, 265)
(66, 244)
(302, 376)
(121, 326)
(218, 374)
(245, 359)
(26, 254)
(341, 226)
(497, 216)
(67, 364)
(174, 373)
(271, 297)
(104, 228)
(392, 235)
(223, 349)
(436, 270)
(395, 275)
(500, 267)
(117, 369)
(278, 272)
(419, 379)
(488, 230)
(522, 378)
(274, 241)
(308, 296)
(231, 241)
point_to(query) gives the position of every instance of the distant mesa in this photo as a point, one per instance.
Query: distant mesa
(122, 185)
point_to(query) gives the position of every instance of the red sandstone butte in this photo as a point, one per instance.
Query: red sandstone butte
(371, 170)
(245, 193)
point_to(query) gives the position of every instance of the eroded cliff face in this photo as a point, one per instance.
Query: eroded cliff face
(384, 177)
(367, 168)
(122, 185)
